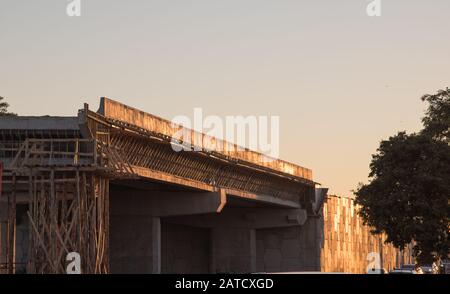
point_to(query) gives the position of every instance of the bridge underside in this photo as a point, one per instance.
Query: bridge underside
(156, 227)
(161, 228)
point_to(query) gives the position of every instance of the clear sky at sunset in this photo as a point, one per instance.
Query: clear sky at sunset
(339, 80)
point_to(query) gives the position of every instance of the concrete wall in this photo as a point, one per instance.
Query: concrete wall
(140, 244)
(145, 238)
(337, 241)
(288, 249)
(184, 249)
(190, 242)
(233, 250)
(131, 240)
(346, 241)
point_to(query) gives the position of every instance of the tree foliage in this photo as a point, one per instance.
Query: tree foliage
(408, 197)
(4, 108)
(437, 119)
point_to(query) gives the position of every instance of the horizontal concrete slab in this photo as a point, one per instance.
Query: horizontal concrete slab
(38, 123)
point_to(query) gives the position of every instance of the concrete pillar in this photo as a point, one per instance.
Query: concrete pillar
(212, 251)
(252, 250)
(156, 245)
(312, 234)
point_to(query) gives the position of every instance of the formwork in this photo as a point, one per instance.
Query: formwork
(63, 180)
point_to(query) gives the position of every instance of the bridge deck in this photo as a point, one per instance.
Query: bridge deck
(117, 111)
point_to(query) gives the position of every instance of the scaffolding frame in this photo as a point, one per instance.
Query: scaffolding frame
(67, 187)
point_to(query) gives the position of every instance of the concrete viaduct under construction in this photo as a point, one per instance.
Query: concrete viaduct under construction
(109, 186)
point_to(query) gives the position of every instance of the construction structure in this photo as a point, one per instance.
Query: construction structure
(110, 186)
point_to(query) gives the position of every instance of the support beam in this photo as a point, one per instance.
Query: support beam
(168, 178)
(266, 199)
(162, 204)
(156, 245)
(252, 218)
(252, 250)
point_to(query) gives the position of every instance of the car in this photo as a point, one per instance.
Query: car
(430, 268)
(407, 269)
(399, 271)
(412, 267)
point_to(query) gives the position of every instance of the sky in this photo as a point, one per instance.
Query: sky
(340, 80)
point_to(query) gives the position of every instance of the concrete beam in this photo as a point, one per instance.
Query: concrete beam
(39, 123)
(263, 198)
(164, 204)
(178, 203)
(168, 178)
(320, 196)
(251, 218)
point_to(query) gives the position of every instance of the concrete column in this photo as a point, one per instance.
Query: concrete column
(212, 251)
(312, 234)
(156, 245)
(253, 250)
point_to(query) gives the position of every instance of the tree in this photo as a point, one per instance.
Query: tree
(4, 108)
(437, 119)
(408, 197)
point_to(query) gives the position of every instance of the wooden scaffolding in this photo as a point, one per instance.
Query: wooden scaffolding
(67, 187)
